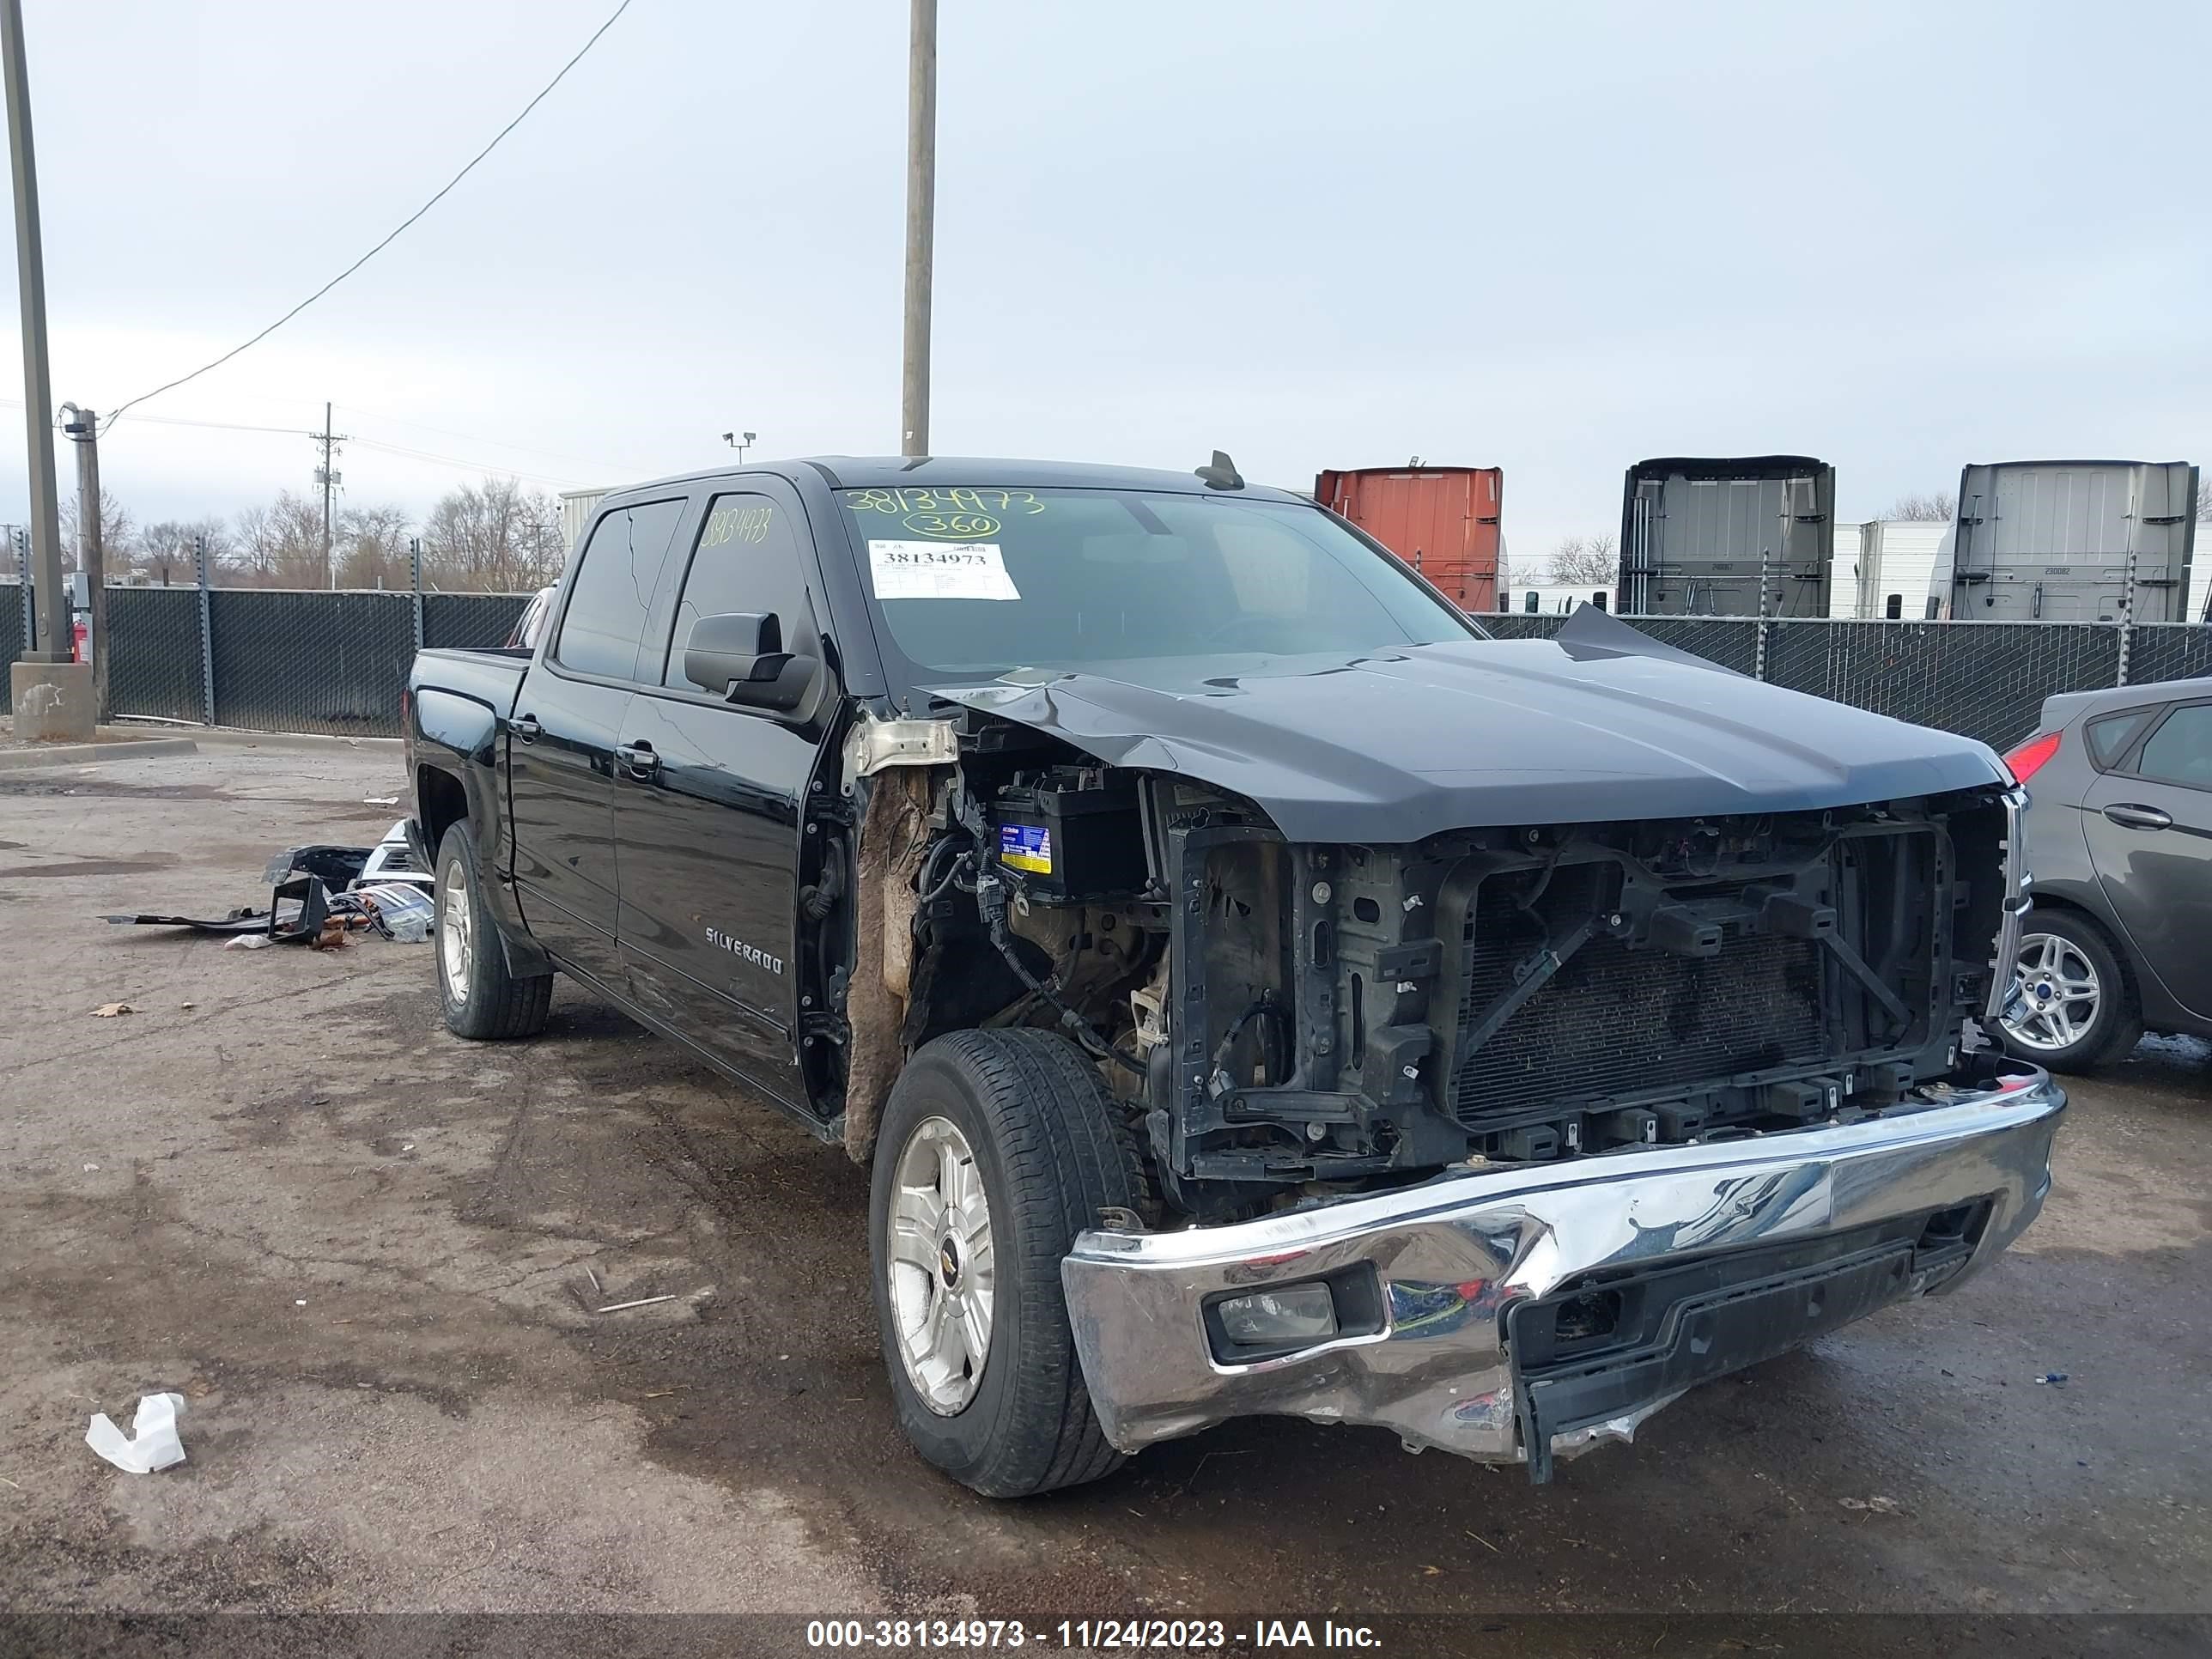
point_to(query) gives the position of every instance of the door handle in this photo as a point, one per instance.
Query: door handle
(2139, 817)
(638, 758)
(526, 728)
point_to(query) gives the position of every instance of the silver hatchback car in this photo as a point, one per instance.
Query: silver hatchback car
(2119, 842)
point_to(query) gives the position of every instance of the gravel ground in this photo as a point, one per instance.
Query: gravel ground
(366, 1253)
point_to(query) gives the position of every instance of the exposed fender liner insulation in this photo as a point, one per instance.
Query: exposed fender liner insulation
(894, 836)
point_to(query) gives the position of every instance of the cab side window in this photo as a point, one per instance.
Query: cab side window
(2181, 750)
(620, 569)
(748, 558)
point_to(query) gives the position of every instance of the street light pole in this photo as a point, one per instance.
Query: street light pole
(53, 617)
(921, 225)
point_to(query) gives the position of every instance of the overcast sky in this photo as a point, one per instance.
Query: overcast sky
(1550, 239)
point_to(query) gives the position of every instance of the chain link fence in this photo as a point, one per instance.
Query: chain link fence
(275, 660)
(1986, 680)
(332, 663)
(155, 669)
(15, 598)
(2169, 651)
(1981, 680)
(307, 661)
(471, 621)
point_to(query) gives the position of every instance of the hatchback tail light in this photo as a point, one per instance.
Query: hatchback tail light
(2033, 755)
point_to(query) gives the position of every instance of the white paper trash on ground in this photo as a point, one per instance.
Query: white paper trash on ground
(153, 1443)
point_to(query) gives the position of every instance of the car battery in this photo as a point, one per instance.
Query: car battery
(1065, 841)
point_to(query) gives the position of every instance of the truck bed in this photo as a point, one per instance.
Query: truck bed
(491, 675)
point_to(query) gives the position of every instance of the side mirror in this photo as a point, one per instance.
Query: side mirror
(740, 658)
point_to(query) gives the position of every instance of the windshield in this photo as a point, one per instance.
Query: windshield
(972, 582)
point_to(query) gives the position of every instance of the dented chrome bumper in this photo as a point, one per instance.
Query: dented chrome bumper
(1480, 1302)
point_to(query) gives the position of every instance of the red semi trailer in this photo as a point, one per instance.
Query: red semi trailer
(1442, 520)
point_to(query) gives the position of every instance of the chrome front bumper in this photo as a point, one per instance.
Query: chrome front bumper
(1454, 1257)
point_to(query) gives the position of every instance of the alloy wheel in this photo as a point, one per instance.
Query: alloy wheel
(454, 945)
(2060, 994)
(941, 1269)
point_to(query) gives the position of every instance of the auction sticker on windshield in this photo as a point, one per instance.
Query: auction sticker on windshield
(939, 570)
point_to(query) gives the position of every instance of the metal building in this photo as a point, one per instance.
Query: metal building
(577, 507)
(1740, 536)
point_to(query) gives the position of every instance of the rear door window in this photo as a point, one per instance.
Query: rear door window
(609, 601)
(748, 559)
(2181, 750)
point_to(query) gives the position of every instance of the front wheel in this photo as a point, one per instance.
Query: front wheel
(2074, 1009)
(479, 997)
(996, 1149)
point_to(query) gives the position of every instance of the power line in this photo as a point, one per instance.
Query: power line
(497, 443)
(175, 420)
(392, 420)
(487, 467)
(220, 426)
(172, 385)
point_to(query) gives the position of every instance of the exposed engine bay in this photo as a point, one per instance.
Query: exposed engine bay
(1289, 1019)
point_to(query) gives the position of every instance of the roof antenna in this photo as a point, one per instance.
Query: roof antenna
(1221, 474)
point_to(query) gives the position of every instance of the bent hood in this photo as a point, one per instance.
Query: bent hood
(1401, 745)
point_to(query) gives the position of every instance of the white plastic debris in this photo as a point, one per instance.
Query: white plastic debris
(152, 1443)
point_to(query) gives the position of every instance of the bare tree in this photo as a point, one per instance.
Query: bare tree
(1584, 560)
(116, 533)
(1938, 508)
(280, 545)
(165, 551)
(371, 547)
(493, 538)
(2204, 505)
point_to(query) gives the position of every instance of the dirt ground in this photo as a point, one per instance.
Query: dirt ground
(368, 1254)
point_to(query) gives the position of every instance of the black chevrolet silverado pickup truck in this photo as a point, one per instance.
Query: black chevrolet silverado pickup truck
(1254, 988)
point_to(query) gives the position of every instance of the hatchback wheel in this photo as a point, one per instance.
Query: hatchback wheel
(2074, 1009)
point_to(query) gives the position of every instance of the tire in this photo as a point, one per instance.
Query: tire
(2067, 1028)
(1044, 1146)
(479, 998)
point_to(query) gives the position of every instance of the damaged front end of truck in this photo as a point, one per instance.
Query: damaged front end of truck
(1496, 1108)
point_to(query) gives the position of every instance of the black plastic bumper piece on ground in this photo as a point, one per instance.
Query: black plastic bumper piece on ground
(1604, 1351)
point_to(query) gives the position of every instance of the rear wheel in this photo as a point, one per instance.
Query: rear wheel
(2075, 1010)
(996, 1149)
(478, 996)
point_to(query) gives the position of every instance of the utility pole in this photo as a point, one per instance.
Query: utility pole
(83, 428)
(921, 225)
(328, 441)
(52, 642)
